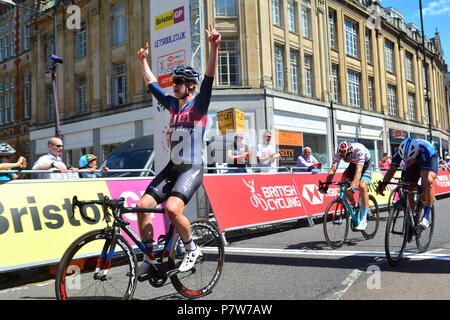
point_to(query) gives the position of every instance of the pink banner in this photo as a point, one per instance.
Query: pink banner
(132, 191)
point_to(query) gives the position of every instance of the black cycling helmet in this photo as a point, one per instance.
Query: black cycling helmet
(186, 72)
(6, 149)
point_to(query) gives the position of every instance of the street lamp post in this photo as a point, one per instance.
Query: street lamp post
(55, 61)
(427, 94)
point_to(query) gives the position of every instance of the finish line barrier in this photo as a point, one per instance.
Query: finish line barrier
(37, 223)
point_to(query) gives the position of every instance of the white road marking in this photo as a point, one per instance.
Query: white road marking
(347, 283)
(340, 253)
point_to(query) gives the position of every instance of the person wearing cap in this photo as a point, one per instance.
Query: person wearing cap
(177, 182)
(6, 163)
(89, 162)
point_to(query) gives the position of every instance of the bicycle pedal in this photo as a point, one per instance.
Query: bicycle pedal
(143, 278)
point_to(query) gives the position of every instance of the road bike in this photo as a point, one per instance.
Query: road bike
(402, 225)
(102, 264)
(338, 213)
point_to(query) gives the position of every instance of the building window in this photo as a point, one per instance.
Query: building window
(351, 39)
(276, 12)
(2, 57)
(279, 67)
(424, 75)
(2, 104)
(229, 63)
(27, 96)
(81, 42)
(389, 55)
(119, 24)
(8, 101)
(306, 19)
(392, 100)
(292, 16)
(335, 82)
(26, 30)
(332, 22)
(226, 8)
(369, 55)
(354, 88)
(294, 71)
(49, 103)
(81, 83)
(371, 92)
(426, 114)
(409, 66)
(411, 106)
(308, 75)
(119, 84)
(48, 50)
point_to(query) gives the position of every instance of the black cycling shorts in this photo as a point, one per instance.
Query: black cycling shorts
(366, 174)
(412, 173)
(179, 181)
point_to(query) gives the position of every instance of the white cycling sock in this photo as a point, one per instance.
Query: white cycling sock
(190, 245)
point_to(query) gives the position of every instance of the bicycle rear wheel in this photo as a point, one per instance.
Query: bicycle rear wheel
(396, 233)
(423, 237)
(335, 223)
(202, 278)
(85, 274)
(373, 219)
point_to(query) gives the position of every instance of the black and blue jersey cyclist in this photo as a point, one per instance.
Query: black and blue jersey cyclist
(421, 161)
(181, 177)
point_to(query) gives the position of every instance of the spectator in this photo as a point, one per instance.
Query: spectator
(447, 159)
(238, 154)
(53, 161)
(385, 162)
(443, 165)
(6, 155)
(265, 152)
(89, 162)
(307, 162)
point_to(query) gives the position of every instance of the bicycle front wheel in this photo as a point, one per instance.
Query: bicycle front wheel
(84, 272)
(335, 223)
(396, 233)
(202, 278)
(423, 237)
(373, 219)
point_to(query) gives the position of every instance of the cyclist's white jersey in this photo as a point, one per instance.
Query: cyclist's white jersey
(361, 155)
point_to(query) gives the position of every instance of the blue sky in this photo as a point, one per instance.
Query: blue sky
(436, 14)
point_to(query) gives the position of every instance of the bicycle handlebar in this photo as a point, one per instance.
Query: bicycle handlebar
(401, 184)
(106, 203)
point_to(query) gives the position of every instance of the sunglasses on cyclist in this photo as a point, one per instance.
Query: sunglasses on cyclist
(178, 81)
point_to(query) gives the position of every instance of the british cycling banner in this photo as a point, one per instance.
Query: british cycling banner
(246, 200)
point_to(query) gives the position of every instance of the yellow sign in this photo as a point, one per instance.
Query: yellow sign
(164, 20)
(230, 120)
(36, 222)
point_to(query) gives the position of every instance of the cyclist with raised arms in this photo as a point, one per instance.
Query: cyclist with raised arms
(181, 177)
(359, 172)
(421, 162)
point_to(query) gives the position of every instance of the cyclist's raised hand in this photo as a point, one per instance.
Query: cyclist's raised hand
(214, 36)
(143, 53)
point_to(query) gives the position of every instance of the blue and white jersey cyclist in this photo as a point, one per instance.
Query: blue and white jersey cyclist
(181, 177)
(359, 172)
(421, 162)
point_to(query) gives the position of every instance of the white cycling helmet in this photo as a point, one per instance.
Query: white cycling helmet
(6, 149)
(409, 149)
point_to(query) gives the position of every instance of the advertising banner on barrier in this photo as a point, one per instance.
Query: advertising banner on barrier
(239, 201)
(245, 200)
(36, 220)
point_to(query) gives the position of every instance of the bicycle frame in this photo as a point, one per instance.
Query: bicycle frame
(120, 224)
(342, 196)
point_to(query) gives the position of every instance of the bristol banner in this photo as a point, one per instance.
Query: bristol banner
(37, 223)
